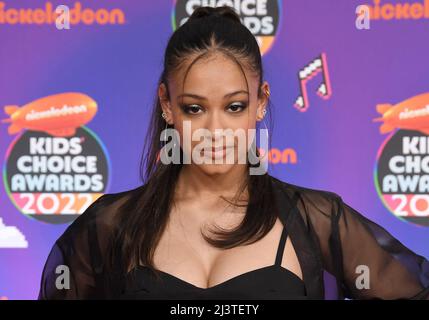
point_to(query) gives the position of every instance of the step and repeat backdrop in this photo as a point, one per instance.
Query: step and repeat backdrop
(350, 100)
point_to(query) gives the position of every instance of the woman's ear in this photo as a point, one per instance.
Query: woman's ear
(263, 101)
(165, 103)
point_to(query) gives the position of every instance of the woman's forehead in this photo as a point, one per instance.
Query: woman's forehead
(214, 76)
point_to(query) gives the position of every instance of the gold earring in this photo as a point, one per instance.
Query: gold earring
(267, 92)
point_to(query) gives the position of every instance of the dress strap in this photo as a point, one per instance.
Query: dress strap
(281, 247)
(284, 207)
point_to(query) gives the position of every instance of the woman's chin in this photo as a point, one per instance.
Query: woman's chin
(216, 169)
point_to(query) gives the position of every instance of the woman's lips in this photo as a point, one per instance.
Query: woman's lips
(221, 148)
(219, 152)
(218, 149)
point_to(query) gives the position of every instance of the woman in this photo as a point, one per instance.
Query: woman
(197, 230)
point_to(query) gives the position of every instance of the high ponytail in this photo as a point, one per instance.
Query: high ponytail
(218, 12)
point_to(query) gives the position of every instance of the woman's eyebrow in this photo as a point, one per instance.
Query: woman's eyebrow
(192, 95)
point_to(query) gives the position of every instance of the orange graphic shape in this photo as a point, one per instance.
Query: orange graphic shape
(411, 114)
(58, 115)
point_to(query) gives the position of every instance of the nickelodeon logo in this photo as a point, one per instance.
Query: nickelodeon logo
(276, 156)
(47, 15)
(413, 10)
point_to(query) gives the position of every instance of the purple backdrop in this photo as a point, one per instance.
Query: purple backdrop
(335, 140)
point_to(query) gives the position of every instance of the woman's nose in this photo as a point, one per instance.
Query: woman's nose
(215, 129)
(214, 124)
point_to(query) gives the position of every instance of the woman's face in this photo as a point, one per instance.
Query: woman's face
(214, 96)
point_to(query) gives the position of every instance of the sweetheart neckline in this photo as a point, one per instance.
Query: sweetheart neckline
(274, 266)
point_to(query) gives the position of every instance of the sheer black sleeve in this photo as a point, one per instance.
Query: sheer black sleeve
(68, 272)
(75, 267)
(367, 261)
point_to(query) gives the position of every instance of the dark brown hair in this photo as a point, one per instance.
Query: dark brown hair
(208, 30)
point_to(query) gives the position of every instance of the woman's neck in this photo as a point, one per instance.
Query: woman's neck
(193, 182)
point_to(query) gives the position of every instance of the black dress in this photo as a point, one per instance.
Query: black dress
(327, 234)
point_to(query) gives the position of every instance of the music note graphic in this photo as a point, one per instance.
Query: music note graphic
(308, 72)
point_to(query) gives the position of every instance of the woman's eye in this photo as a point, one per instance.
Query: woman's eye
(196, 109)
(236, 108)
(191, 109)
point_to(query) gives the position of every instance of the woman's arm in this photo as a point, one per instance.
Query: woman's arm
(370, 262)
(69, 269)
